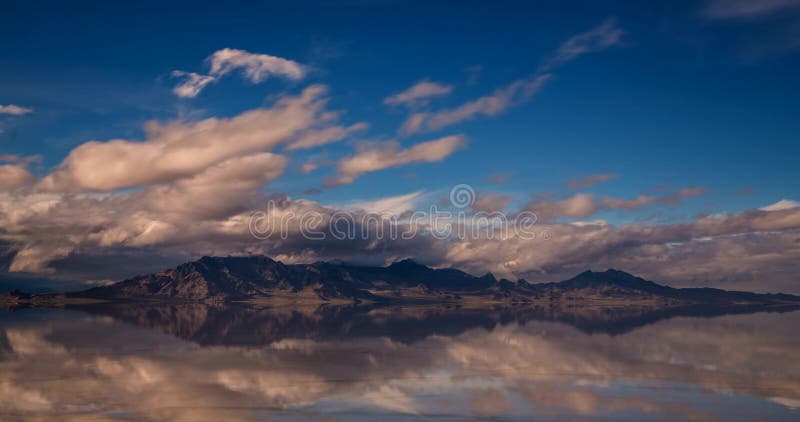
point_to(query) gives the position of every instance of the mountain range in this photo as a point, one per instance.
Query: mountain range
(260, 279)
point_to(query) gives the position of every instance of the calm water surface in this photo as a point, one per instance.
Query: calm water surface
(198, 363)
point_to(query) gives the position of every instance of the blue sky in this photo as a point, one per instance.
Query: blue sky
(692, 95)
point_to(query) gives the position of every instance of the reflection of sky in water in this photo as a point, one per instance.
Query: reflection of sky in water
(739, 366)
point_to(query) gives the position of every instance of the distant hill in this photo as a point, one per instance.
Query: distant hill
(259, 278)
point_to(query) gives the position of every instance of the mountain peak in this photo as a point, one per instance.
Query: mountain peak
(406, 263)
(614, 277)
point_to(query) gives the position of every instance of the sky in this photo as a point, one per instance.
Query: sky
(660, 139)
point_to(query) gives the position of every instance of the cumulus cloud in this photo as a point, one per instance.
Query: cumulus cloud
(746, 9)
(254, 67)
(182, 149)
(591, 180)
(14, 110)
(518, 92)
(194, 180)
(754, 249)
(375, 157)
(418, 94)
(783, 204)
(13, 176)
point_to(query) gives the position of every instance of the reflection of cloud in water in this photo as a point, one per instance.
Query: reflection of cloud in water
(681, 368)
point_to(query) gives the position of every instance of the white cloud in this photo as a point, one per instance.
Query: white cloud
(783, 204)
(394, 205)
(374, 157)
(14, 110)
(255, 68)
(418, 94)
(13, 176)
(192, 85)
(182, 149)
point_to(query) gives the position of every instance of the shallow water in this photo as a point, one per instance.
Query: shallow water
(197, 362)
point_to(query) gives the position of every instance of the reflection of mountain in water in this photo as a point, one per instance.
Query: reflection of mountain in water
(244, 324)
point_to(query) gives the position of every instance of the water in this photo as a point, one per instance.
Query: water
(198, 363)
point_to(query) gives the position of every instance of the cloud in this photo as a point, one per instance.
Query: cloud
(498, 178)
(418, 94)
(746, 9)
(490, 105)
(209, 215)
(309, 167)
(20, 159)
(629, 204)
(13, 176)
(581, 205)
(682, 194)
(375, 157)
(183, 149)
(14, 110)
(518, 92)
(783, 204)
(584, 205)
(598, 39)
(319, 137)
(254, 67)
(395, 205)
(590, 180)
(192, 85)
(491, 202)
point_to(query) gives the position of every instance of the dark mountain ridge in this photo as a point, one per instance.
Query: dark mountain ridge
(223, 279)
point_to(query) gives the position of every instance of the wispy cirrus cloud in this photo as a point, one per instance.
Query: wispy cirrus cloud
(518, 92)
(254, 67)
(584, 205)
(746, 9)
(590, 180)
(608, 34)
(372, 157)
(192, 83)
(418, 94)
(14, 110)
(498, 178)
(490, 105)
